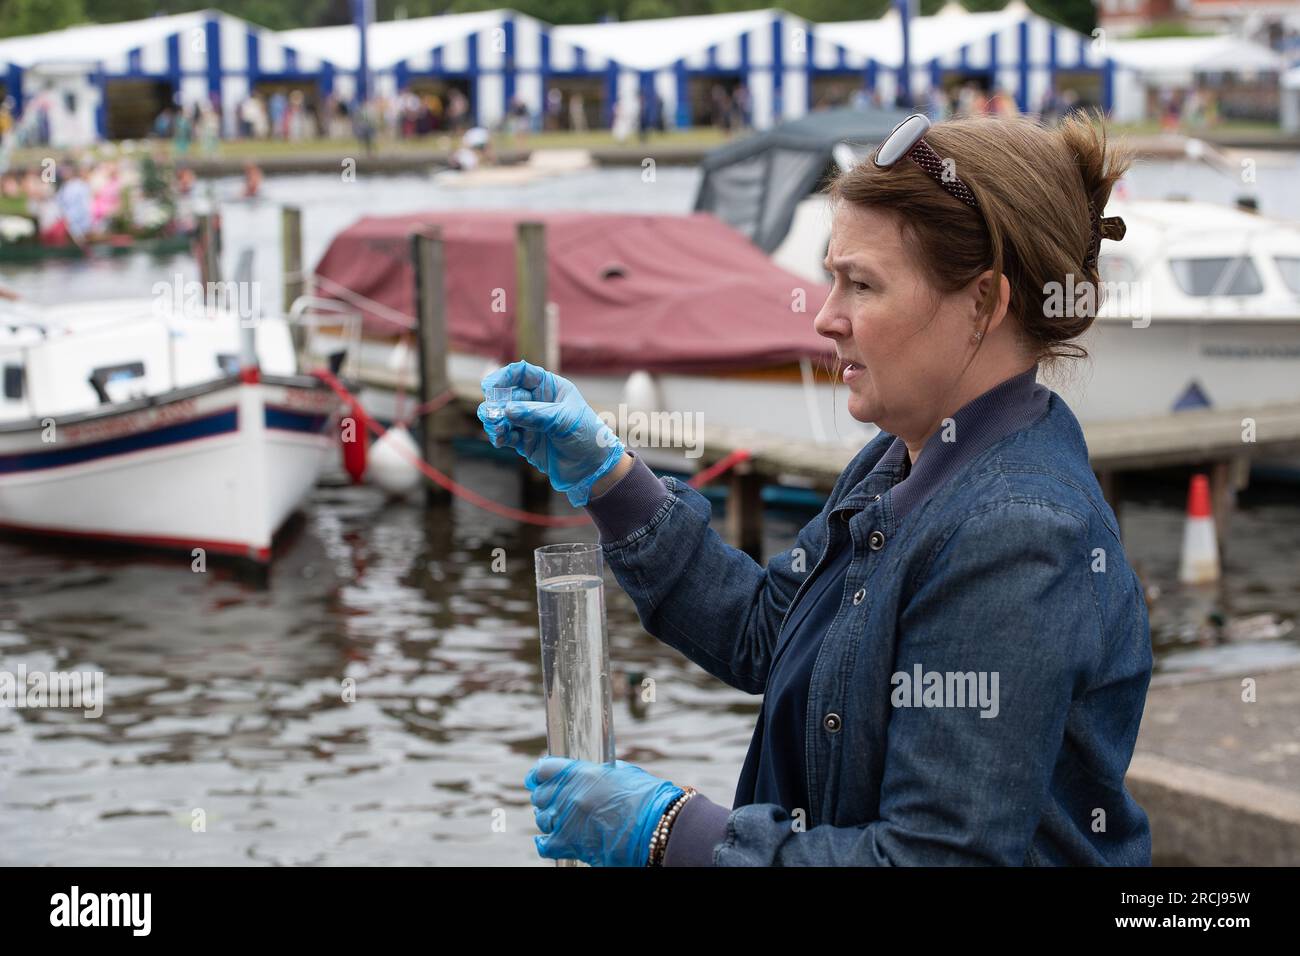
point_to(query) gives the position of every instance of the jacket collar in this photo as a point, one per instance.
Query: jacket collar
(1007, 407)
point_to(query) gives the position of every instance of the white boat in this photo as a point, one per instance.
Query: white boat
(1202, 308)
(140, 422)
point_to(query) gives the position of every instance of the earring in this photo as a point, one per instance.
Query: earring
(976, 336)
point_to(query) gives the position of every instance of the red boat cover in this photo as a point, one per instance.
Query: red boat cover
(654, 292)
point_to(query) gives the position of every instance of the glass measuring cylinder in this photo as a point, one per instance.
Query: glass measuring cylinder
(575, 653)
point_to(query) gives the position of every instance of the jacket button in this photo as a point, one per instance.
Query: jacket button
(861, 593)
(832, 723)
(875, 497)
(876, 540)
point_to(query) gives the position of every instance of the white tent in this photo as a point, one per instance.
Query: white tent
(1176, 60)
(1171, 63)
(772, 52)
(495, 54)
(205, 55)
(1012, 48)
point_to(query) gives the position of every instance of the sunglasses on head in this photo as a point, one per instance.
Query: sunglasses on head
(908, 140)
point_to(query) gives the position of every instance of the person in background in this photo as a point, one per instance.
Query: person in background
(252, 180)
(208, 128)
(740, 107)
(554, 107)
(626, 112)
(518, 121)
(279, 106)
(1003, 104)
(106, 189)
(457, 110)
(719, 107)
(577, 113)
(75, 203)
(182, 132)
(939, 106)
(164, 122)
(7, 137)
(475, 150)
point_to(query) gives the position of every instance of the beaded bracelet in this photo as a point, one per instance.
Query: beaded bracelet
(659, 839)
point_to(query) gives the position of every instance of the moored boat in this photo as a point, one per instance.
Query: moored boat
(139, 423)
(657, 315)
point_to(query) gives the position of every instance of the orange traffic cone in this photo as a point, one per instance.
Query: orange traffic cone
(1200, 561)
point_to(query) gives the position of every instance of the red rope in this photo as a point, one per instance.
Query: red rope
(473, 497)
(701, 478)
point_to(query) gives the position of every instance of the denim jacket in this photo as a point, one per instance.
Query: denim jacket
(1010, 577)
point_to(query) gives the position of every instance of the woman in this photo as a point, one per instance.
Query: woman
(954, 656)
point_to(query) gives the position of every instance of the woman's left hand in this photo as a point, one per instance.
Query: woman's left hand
(601, 814)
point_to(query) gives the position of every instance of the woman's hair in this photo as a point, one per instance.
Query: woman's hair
(1033, 184)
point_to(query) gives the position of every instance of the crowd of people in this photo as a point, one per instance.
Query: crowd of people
(1187, 109)
(971, 99)
(81, 201)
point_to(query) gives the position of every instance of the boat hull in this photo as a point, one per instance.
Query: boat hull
(218, 467)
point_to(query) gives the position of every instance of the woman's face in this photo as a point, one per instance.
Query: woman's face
(907, 342)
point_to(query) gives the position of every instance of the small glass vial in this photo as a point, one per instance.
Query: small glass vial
(496, 401)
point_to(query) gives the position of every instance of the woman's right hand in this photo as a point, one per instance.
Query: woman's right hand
(549, 423)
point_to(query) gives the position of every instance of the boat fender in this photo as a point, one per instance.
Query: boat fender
(354, 439)
(392, 465)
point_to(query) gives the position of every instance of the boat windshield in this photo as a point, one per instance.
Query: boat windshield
(1217, 275)
(1289, 266)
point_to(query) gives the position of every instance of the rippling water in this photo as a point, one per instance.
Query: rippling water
(226, 697)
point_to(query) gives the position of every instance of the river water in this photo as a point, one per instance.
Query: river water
(225, 700)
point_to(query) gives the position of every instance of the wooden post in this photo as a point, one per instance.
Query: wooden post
(1223, 498)
(209, 227)
(745, 511)
(530, 292)
(291, 266)
(530, 329)
(431, 314)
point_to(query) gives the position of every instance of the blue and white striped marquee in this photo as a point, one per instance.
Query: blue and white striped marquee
(1013, 49)
(773, 52)
(500, 54)
(206, 55)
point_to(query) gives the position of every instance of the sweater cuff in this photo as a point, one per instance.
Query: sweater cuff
(700, 826)
(629, 504)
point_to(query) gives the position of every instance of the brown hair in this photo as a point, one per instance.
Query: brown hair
(1033, 184)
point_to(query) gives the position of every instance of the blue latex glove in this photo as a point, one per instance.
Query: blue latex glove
(549, 423)
(597, 813)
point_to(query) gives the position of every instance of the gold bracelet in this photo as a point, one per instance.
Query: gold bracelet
(659, 838)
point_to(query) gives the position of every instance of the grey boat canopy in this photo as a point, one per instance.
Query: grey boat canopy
(753, 184)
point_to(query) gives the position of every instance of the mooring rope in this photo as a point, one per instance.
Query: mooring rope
(699, 479)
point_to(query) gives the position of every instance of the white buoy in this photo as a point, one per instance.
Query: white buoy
(1200, 560)
(640, 417)
(641, 392)
(391, 467)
